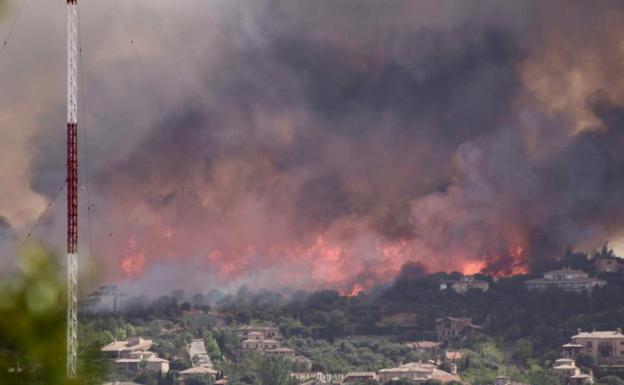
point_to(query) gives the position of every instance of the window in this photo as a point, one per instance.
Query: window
(589, 345)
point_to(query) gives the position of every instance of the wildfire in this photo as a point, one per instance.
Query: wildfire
(472, 267)
(355, 291)
(325, 261)
(134, 263)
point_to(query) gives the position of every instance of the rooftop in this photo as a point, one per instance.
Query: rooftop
(149, 359)
(128, 345)
(600, 334)
(199, 370)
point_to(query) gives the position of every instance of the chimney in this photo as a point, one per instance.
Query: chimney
(619, 330)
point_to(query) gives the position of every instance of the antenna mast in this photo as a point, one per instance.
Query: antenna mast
(72, 187)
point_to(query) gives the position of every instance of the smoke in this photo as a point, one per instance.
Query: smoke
(291, 145)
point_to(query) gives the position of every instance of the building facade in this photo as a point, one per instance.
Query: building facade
(606, 346)
(464, 285)
(565, 279)
(455, 327)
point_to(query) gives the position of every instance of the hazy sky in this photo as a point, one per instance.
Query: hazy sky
(286, 143)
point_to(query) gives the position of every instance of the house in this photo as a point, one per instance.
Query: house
(266, 339)
(198, 372)
(606, 346)
(417, 372)
(454, 327)
(354, 377)
(151, 363)
(565, 279)
(259, 344)
(122, 349)
(453, 356)
(424, 347)
(266, 332)
(569, 373)
(608, 264)
(464, 285)
(306, 376)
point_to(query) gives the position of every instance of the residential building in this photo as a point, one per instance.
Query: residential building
(452, 356)
(152, 363)
(305, 376)
(454, 327)
(198, 372)
(569, 373)
(358, 376)
(606, 346)
(464, 285)
(267, 332)
(424, 347)
(566, 279)
(122, 349)
(417, 372)
(259, 344)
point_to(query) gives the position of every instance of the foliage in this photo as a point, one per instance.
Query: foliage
(258, 369)
(33, 326)
(611, 380)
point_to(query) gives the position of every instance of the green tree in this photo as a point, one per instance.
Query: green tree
(523, 350)
(33, 326)
(611, 380)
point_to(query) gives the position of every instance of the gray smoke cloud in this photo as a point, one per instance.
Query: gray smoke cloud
(327, 144)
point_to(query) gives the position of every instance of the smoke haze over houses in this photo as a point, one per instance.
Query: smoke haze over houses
(323, 145)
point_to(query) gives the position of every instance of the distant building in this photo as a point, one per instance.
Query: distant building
(257, 343)
(281, 352)
(424, 347)
(197, 372)
(358, 376)
(417, 372)
(122, 349)
(266, 340)
(606, 346)
(266, 332)
(133, 354)
(566, 279)
(608, 264)
(569, 373)
(454, 327)
(305, 376)
(152, 363)
(453, 356)
(464, 285)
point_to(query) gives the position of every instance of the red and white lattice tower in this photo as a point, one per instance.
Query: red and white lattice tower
(72, 187)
